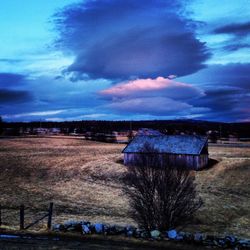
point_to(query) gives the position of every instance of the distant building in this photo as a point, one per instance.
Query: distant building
(121, 136)
(148, 131)
(55, 131)
(213, 136)
(233, 138)
(114, 137)
(40, 131)
(189, 151)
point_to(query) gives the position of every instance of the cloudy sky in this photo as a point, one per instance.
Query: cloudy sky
(125, 60)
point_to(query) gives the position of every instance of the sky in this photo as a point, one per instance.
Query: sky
(66, 60)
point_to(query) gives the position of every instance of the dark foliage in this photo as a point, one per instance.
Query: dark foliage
(1, 125)
(168, 126)
(161, 196)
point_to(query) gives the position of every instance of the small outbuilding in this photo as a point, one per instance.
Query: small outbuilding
(148, 131)
(190, 151)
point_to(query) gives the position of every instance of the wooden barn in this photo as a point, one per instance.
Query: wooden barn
(190, 151)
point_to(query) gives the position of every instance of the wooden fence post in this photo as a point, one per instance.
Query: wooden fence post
(22, 217)
(50, 215)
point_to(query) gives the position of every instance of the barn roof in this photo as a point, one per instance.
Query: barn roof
(171, 144)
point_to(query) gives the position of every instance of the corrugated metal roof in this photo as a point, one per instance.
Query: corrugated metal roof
(171, 144)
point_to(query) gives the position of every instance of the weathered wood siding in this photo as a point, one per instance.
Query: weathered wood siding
(190, 161)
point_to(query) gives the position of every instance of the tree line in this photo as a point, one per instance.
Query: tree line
(164, 126)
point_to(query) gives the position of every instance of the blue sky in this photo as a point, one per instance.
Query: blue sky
(121, 60)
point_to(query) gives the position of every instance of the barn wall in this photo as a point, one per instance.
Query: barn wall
(129, 159)
(190, 161)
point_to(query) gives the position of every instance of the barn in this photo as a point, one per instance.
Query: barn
(190, 151)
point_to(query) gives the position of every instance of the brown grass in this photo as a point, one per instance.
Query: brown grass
(84, 180)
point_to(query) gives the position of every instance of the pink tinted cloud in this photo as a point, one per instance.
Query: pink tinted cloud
(160, 85)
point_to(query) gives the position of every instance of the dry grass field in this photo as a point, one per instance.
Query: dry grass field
(84, 180)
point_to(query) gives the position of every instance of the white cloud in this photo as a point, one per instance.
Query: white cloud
(40, 113)
(153, 87)
(150, 105)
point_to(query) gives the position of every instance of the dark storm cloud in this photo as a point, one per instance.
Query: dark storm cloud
(238, 29)
(240, 32)
(123, 39)
(220, 99)
(10, 79)
(14, 96)
(236, 75)
(218, 75)
(227, 91)
(225, 104)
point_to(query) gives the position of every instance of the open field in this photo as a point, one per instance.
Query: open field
(84, 179)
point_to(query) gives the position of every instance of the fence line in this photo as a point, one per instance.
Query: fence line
(22, 209)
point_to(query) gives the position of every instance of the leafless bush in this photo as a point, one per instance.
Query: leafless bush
(161, 196)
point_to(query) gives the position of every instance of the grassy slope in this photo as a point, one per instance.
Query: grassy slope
(83, 178)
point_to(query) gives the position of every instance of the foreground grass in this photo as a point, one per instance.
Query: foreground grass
(87, 242)
(84, 179)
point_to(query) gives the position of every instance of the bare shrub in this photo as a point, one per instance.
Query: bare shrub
(161, 196)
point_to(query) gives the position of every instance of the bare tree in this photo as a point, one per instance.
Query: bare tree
(161, 196)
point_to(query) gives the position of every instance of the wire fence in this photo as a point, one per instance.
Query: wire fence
(21, 213)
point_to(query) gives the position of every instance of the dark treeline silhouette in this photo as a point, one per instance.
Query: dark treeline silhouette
(1, 125)
(165, 126)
